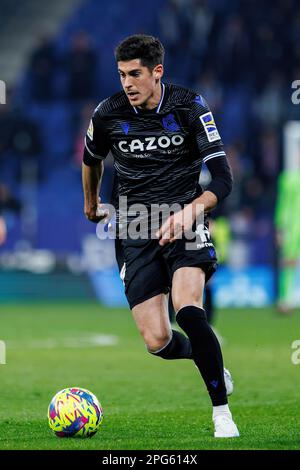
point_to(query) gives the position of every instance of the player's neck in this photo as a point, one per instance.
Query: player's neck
(154, 100)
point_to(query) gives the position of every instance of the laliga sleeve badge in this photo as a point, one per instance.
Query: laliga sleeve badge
(210, 127)
(90, 131)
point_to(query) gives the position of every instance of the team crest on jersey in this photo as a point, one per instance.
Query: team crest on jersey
(170, 124)
(125, 126)
(90, 131)
(210, 127)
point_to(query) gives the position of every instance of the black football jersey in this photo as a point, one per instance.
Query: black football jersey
(157, 153)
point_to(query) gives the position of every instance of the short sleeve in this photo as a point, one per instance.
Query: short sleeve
(97, 144)
(204, 128)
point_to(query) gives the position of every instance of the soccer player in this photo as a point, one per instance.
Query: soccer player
(159, 134)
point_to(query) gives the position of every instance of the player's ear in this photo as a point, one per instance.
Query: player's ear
(158, 71)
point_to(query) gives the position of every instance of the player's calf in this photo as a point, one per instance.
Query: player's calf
(206, 351)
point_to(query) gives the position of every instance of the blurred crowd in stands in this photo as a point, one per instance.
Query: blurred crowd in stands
(242, 56)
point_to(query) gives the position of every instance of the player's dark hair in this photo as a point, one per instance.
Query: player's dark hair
(148, 49)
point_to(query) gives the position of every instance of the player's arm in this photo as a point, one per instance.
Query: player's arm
(95, 151)
(91, 182)
(211, 151)
(219, 187)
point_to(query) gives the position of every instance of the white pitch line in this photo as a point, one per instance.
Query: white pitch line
(71, 342)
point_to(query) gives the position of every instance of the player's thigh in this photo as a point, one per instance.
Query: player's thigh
(142, 270)
(187, 287)
(152, 320)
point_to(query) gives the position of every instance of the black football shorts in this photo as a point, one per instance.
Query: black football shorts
(146, 268)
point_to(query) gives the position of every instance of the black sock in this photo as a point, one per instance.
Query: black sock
(209, 307)
(206, 351)
(178, 348)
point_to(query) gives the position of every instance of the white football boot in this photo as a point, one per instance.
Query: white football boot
(225, 426)
(228, 382)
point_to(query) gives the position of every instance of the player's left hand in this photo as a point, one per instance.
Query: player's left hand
(176, 225)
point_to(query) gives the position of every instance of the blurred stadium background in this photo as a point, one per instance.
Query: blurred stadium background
(56, 59)
(60, 293)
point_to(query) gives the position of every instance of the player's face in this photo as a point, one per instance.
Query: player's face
(140, 84)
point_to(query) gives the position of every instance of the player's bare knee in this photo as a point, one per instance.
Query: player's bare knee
(156, 342)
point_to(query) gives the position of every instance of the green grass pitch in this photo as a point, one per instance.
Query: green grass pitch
(148, 403)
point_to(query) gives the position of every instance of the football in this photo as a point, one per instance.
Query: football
(74, 412)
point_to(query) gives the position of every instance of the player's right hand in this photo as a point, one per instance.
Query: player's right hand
(96, 213)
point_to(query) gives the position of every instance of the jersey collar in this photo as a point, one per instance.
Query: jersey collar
(160, 101)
